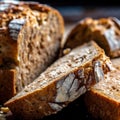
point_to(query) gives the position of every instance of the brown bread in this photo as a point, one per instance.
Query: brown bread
(116, 62)
(103, 99)
(63, 82)
(105, 31)
(7, 84)
(30, 40)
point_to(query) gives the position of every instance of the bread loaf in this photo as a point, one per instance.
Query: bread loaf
(61, 83)
(30, 40)
(105, 31)
(103, 99)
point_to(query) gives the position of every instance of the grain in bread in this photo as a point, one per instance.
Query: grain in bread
(30, 40)
(63, 82)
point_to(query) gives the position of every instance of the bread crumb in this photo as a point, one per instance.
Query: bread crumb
(4, 109)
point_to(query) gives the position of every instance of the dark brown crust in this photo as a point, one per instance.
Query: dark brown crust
(58, 86)
(7, 84)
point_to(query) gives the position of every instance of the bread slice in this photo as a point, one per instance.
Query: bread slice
(63, 82)
(103, 99)
(116, 62)
(30, 40)
(105, 31)
(7, 84)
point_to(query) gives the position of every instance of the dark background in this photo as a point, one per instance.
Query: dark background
(75, 10)
(84, 3)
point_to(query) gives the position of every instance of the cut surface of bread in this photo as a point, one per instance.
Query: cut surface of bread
(7, 77)
(30, 40)
(63, 82)
(105, 31)
(103, 99)
(116, 62)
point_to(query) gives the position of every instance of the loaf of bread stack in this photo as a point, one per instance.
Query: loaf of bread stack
(34, 81)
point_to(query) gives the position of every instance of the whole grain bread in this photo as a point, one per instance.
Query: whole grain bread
(105, 31)
(30, 40)
(61, 83)
(116, 62)
(7, 84)
(102, 101)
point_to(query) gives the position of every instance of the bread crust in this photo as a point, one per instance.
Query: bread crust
(105, 31)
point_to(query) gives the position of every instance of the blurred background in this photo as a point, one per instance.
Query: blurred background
(80, 2)
(76, 10)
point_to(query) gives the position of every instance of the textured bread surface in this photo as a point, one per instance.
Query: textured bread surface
(63, 82)
(116, 62)
(9, 90)
(30, 40)
(105, 31)
(103, 99)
